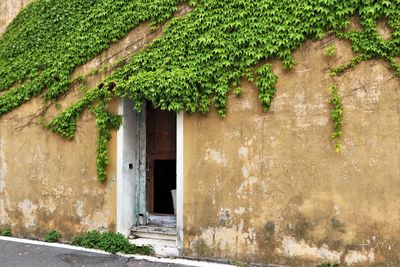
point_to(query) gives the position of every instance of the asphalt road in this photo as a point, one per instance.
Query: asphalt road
(14, 254)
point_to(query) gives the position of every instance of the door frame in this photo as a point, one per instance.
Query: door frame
(131, 146)
(160, 145)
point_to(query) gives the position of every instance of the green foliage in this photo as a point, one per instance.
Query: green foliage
(6, 231)
(265, 82)
(327, 264)
(110, 242)
(81, 79)
(205, 53)
(52, 236)
(199, 60)
(65, 123)
(104, 121)
(237, 263)
(353, 62)
(337, 116)
(330, 51)
(50, 38)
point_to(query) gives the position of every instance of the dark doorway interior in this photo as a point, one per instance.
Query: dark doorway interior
(164, 182)
(160, 159)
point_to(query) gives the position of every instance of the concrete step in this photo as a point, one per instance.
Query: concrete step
(163, 248)
(154, 232)
(166, 220)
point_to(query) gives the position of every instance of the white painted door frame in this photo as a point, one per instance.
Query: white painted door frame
(179, 178)
(130, 167)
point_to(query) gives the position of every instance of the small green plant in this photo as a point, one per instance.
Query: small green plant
(238, 91)
(236, 262)
(57, 105)
(52, 236)
(337, 116)
(327, 264)
(330, 51)
(110, 242)
(6, 232)
(81, 79)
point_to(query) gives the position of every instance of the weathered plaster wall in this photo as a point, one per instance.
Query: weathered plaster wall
(50, 183)
(47, 182)
(269, 187)
(264, 187)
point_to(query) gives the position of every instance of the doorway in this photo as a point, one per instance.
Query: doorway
(149, 160)
(160, 160)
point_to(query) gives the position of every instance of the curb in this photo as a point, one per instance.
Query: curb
(138, 257)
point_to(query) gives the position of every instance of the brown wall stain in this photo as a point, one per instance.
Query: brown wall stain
(269, 187)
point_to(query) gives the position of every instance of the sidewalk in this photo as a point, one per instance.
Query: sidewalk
(16, 252)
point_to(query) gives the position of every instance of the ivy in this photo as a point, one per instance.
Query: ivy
(50, 38)
(200, 59)
(104, 122)
(65, 123)
(337, 116)
(266, 85)
(330, 51)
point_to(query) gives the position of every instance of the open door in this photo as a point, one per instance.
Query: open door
(147, 172)
(160, 162)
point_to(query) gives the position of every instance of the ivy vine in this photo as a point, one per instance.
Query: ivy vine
(201, 57)
(50, 38)
(337, 116)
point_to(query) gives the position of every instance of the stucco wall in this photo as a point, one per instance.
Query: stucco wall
(269, 187)
(47, 182)
(265, 187)
(50, 183)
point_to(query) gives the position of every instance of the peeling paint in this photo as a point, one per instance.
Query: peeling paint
(96, 220)
(293, 248)
(28, 211)
(243, 152)
(48, 204)
(240, 211)
(371, 256)
(368, 97)
(224, 216)
(249, 169)
(215, 156)
(4, 219)
(223, 238)
(79, 209)
(246, 184)
(300, 109)
(353, 257)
